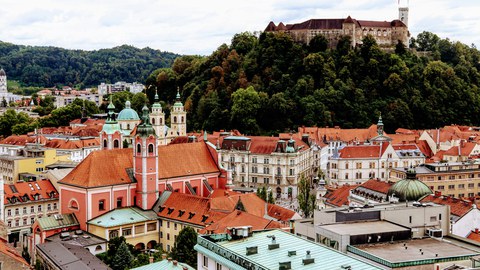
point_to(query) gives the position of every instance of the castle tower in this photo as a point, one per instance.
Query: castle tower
(178, 118)
(157, 118)
(403, 13)
(111, 135)
(3, 81)
(145, 163)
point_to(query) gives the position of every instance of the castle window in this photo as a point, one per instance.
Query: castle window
(150, 148)
(182, 119)
(115, 144)
(175, 119)
(139, 148)
(72, 205)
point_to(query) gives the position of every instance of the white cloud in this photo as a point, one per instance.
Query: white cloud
(199, 27)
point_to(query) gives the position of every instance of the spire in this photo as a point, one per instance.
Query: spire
(111, 110)
(156, 96)
(145, 129)
(178, 93)
(380, 125)
(205, 136)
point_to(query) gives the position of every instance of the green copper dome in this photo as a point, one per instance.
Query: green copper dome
(128, 113)
(409, 189)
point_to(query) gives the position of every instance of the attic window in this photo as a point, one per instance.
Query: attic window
(52, 194)
(170, 210)
(190, 215)
(160, 209)
(13, 199)
(204, 218)
(181, 212)
(25, 198)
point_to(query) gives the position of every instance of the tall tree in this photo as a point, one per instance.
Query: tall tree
(246, 104)
(123, 258)
(183, 248)
(306, 197)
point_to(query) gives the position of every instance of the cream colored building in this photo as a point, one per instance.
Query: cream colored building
(139, 227)
(458, 179)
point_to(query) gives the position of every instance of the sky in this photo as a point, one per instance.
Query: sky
(201, 26)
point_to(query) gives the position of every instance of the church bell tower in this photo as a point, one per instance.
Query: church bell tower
(403, 12)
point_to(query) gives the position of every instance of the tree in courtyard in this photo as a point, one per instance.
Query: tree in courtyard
(183, 248)
(305, 197)
(123, 258)
(270, 197)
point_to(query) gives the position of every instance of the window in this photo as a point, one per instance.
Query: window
(346, 176)
(175, 226)
(254, 179)
(168, 248)
(441, 187)
(24, 210)
(292, 162)
(266, 170)
(266, 180)
(218, 267)
(205, 261)
(9, 212)
(98, 248)
(410, 219)
(451, 186)
(9, 223)
(266, 161)
(113, 233)
(115, 144)
(461, 186)
(101, 205)
(433, 219)
(168, 236)
(32, 220)
(292, 171)
(461, 195)
(346, 165)
(119, 201)
(358, 165)
(470, 195)
(151, 226)
(254, 159)
(32, 209)
(139, 148)
(471, 185)
(127, 231)
(17, 223)
(24, 221)
(16, 212)
(150, 148)
(139, 229)
(161, 234)
(168, 224)
(49, 207)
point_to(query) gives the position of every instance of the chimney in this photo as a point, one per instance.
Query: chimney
(476, 230)
(175, 262)
(169, 259)
(164, 256)
(438, 193)
(308, 259)
(150, 259)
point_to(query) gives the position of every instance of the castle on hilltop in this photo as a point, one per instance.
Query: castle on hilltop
(387, 34)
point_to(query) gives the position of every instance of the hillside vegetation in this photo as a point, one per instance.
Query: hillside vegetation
(52, 66)
(269, 84)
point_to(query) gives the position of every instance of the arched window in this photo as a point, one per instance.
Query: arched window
(161, 121)
(153, 121)
(182, 119)
(128, 126)
(139, 148)
(174, 119)
(73, 204)
(116, 144)
(98, 248)
(105, 143)
(150, 148)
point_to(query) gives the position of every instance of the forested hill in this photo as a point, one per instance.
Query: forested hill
(269, 84)
(50, 66)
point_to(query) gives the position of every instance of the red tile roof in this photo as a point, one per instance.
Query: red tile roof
(338, 134)
(97, 169)
(72, 144)
(189, 209)
(377, 185)
(22, 139)
(43, 188)
(11, 252)
(339, 196)
(363, 151)
(185, 159)
(239, 218)
(458, 207)
(464, 149)
(474, 235)
(173, 161)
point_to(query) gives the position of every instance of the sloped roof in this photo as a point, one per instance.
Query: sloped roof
(22, 140)
(377, 185)
(363, 151)
(187, 208)
(72, 144)
(97, 169)
(11, 252)
(474, 235)
(164, 265)
(464, 149)
(339, 134)
(31, 188)
(318, 24)
(458, 207)
(57, 221)
(69, 256)
(339, 196)
(122, 216)
(185, 159)
(281, 213)
(240, 218)
(383, 24)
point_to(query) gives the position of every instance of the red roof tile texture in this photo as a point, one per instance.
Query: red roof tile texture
(239, 218)
(11, 252)
(458, 207)
(377, 185)
(474, 235)
(339, 196)
(26, 191)
(363, 151)
(173, 161)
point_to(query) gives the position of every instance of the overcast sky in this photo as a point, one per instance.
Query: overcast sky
(200, 26)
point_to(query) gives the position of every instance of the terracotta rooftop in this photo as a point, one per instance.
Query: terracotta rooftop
(239, 218)
(339, 134)
(458, 207)
(465, 149)
(26, 191)
(377, 185)
(173, 161)
(474, 235)
(72, 144)
(339, 196)
(22, 140)
(11, 252)
(363, 151)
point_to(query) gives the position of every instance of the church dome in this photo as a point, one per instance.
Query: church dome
(128, 113)
(2, 72)
(409, 189)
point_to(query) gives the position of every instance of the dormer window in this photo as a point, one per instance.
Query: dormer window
(190, 215)
(170, 210)
(181, 212)
(160, 209)
(204, 218)
(25, 198)
(52, 194)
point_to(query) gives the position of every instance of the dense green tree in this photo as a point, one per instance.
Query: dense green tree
(318, 43)
(11, 119)
(270, 197)
(123, 258)
(306, 197)
(246, 104)
(183, 248)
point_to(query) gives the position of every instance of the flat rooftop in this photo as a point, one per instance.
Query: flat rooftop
(362, 228)
(431, 248)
